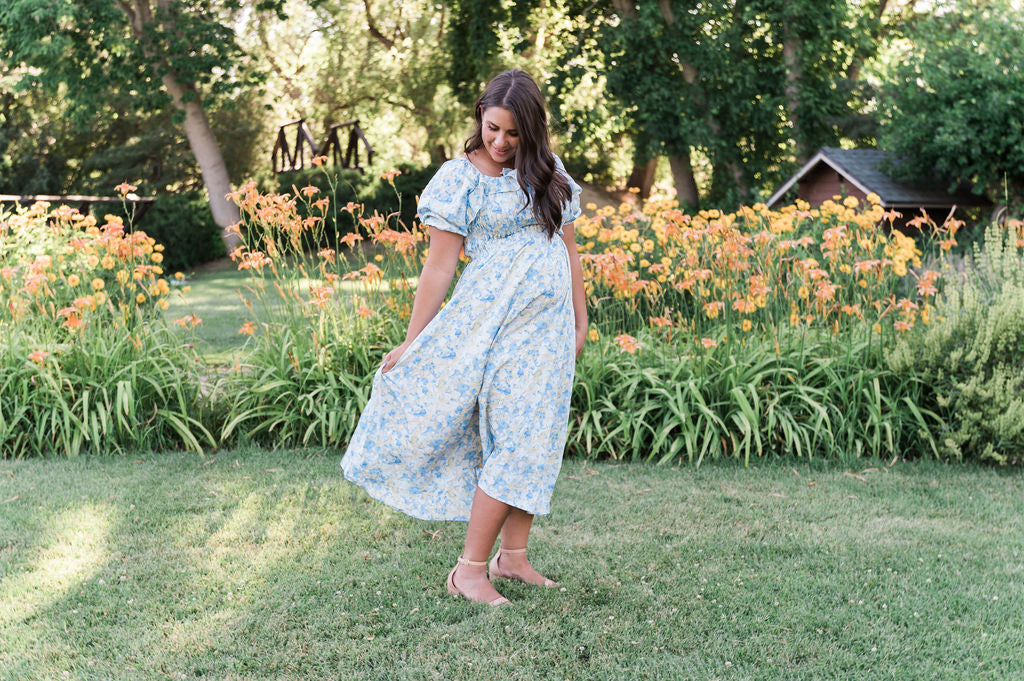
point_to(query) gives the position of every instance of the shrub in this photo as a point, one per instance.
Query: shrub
(971, 358)
(89, 364)
(184, 225)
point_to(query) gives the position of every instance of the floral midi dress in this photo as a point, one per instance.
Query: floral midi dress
(481, 396)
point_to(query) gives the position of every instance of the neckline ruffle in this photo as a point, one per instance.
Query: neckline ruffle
(505, 172)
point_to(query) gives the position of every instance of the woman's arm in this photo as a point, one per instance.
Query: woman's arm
(435, 279)
(579, 295)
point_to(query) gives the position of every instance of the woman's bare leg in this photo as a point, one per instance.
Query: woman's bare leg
(486, 517)
(515, 533)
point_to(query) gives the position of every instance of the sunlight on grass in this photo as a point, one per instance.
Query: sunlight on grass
(77, 550)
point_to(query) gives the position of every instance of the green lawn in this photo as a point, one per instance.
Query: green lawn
(268, 565)
(213, 296)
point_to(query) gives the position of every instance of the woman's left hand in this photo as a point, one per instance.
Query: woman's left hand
(581, 338)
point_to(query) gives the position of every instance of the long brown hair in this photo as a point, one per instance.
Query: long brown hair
(516, 91)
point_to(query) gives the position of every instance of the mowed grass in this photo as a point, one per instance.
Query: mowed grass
(251, 564)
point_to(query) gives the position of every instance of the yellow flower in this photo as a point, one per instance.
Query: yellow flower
(122, 276)
(747, 326)
(108, 262)
(379, 257)
(648, 245)
(873, 198)
(876, 327)
(73, 280)
(163, 304)
(140, 298)
(157, 257)
(803, 292)
(100, 298)
(850, 202)
(179, 276)
(97, 284)
(713, 308)
(593, 335)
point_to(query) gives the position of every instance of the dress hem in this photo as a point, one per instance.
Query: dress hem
(382, 494)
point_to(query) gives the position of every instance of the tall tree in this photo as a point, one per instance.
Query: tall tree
(753, 86)
(177, 54)
(954, 101)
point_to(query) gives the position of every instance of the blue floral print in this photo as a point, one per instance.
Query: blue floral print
(481, 396)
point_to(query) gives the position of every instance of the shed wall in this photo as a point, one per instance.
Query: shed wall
(822, 183)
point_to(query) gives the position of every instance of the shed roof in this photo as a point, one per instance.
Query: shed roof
(861, 168)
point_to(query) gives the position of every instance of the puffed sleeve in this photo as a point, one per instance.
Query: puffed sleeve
(571, 208)
(445, 201)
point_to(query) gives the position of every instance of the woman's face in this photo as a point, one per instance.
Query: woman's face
(500, 135)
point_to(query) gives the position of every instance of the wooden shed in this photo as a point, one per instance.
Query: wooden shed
(856, 172)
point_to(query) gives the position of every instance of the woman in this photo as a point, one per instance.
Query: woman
(467, 418)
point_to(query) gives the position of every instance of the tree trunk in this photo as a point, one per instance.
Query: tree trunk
(624, 8)
(791, 58)
(686, 185)
(208, 156)
(642, 176)
(728, 174)
(197, 127)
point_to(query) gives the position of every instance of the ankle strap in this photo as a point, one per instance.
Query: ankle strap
(504, 550)
(466, 561)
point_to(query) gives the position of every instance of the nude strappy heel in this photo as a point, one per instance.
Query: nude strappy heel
(454, 590)
(495, 571)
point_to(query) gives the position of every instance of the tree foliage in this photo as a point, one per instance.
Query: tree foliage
(735, 94)
(953, 106)
(754, 86)
(95, 74)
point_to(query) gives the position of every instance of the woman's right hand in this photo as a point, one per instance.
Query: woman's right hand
(391, 358)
